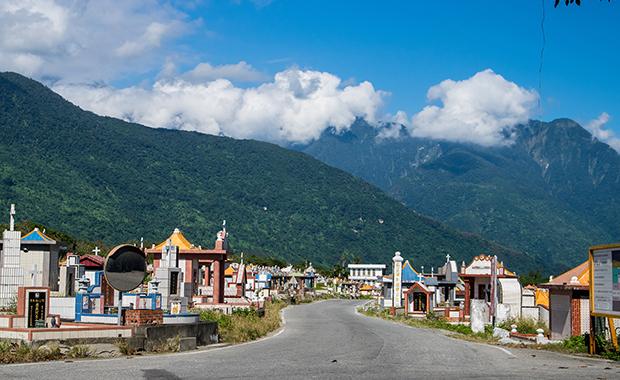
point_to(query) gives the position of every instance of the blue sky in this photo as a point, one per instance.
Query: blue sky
(214, 65)
(405, 47)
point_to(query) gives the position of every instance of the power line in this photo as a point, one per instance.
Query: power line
(542, 55)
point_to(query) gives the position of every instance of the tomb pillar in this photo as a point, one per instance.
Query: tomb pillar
(218, 281)
(467, 295)
(397, 267)
(207, 274)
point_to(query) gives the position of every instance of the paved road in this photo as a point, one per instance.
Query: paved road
(330, 340)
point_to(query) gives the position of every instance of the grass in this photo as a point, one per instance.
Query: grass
(431, 321)
(245, 325)
(80, 351)
(25, 353)
(524, 325)
(572, 345)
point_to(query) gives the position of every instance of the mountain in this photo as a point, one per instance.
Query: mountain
(551, 194)
(100, 178)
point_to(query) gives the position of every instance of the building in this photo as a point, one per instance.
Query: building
(92, 264)
(478, 278)
(569, 305)
(201, 274)
(369, 274)
(30, 260)
(408, 278)
(39, 259)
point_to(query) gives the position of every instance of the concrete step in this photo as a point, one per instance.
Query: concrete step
(187, 344)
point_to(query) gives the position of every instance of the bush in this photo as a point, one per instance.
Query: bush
(245, 325)
(22, 353)
(524, 325)
(170, 345)
(124, 347)
(79, 351)
(575, 344)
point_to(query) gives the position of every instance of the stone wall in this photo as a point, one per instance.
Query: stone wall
(155, 336)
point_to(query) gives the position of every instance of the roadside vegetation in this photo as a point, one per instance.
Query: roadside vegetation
(572, 345)
(245, 325)
(524, 325)
(25, 353)
(432, 321)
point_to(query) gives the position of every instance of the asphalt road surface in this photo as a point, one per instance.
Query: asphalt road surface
(330, 340)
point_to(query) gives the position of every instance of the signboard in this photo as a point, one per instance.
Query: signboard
(605, 281)
(174, 282)
(36, 308)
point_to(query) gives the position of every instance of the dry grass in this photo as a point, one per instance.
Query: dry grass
(246, 325)
(25, 353)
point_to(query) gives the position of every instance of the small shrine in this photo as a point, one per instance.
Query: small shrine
(190, 271)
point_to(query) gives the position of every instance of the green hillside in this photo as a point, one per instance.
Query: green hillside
(103, 179)
(552, 194)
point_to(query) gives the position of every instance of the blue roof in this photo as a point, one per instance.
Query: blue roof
(37, 236)
(409, 274)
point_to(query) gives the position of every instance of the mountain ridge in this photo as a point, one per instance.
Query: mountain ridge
(550, 193)
(101, 178)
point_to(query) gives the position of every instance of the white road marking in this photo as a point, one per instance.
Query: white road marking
(506, 351)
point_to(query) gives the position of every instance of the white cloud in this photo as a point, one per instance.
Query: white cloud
(151, 38)
(482, 110)
(241, 72)
(86, 41)
(296, 106)
(598, 130)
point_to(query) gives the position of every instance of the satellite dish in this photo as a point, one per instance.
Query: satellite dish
(125, 267)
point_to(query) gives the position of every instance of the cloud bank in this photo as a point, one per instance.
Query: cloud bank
(75, 44)
(600, 132)
(296, 106)
(86, 41)
(482, 110)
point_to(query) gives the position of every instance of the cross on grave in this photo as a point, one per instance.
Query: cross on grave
(33, 275)
(96, 251)
(12, 217)
(448, 257)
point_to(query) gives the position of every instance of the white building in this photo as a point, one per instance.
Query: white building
(370, 274)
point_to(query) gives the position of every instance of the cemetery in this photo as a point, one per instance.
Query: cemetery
(92, 299)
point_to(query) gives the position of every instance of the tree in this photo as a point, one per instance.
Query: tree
(569, 2)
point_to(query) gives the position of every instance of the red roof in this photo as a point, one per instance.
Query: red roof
(92, 261)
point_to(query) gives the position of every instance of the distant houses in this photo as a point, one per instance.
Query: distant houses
(477, 293)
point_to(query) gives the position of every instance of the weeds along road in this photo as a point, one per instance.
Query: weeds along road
(330, 340)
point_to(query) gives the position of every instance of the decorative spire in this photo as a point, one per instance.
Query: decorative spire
(12, 218)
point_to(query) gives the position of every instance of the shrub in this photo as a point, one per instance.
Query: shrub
(124, 347)
(524, 325)
(245, 325)
(20, 353)
(575, 344)
(79, 351)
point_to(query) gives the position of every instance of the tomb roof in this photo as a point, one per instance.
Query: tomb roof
(578, 276)
(36, 236)
(408, 273)
(92, 261)
(177, 239)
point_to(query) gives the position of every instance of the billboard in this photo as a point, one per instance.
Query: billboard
(605, 281)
